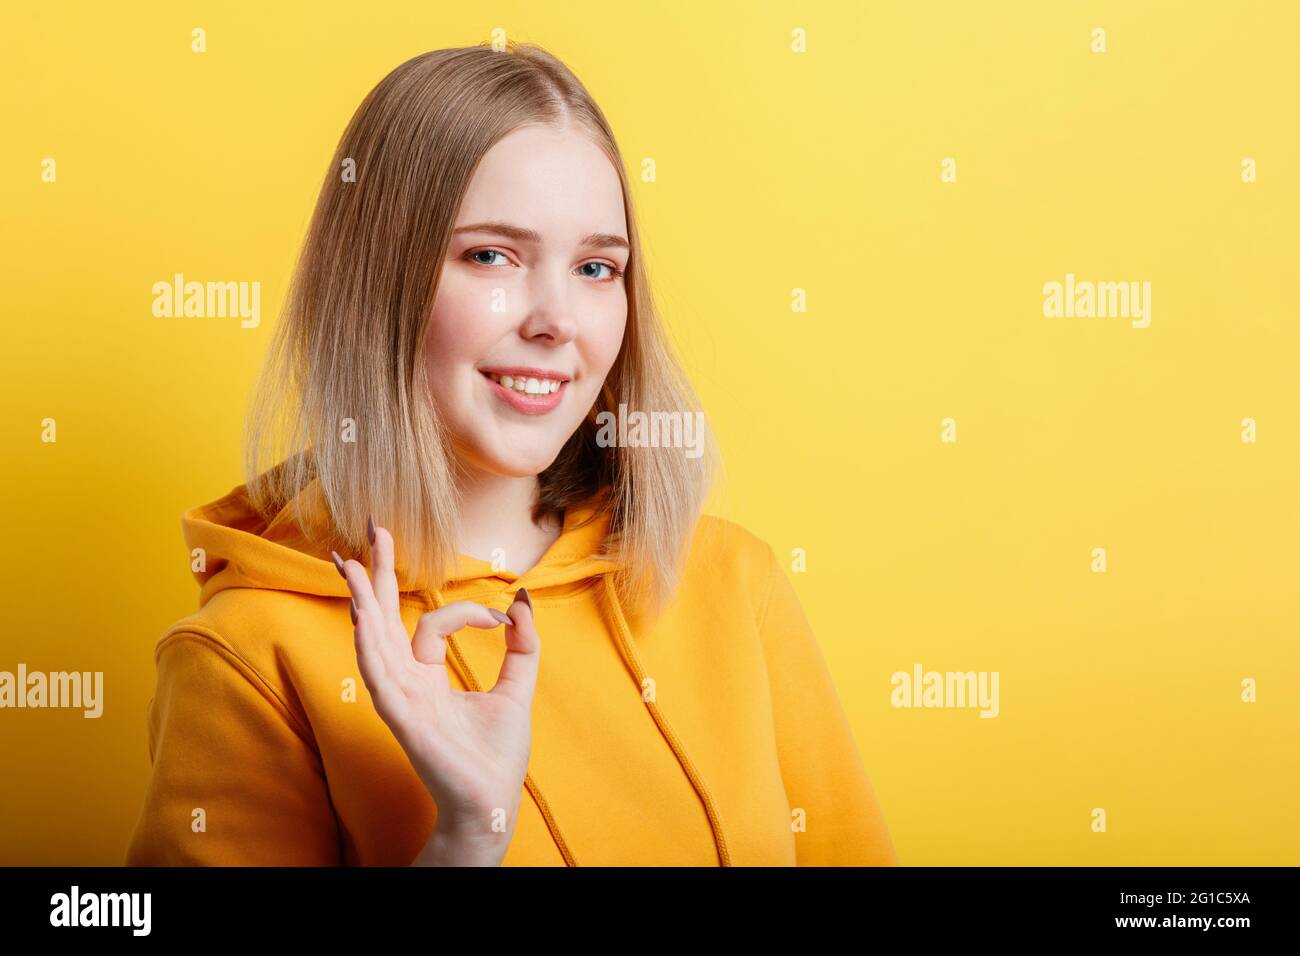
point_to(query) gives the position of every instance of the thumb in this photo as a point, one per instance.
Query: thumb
(518, 677)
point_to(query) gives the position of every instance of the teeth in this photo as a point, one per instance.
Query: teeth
(529, 386)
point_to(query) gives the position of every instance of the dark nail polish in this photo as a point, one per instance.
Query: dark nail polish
(522, 595)
(499, 616)
(338, 563)
(370, 529)
(352, 609)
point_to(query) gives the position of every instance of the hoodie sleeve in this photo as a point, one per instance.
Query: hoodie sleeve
(823, 772)
(235, 781)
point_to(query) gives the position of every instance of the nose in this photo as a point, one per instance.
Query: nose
(550, 312)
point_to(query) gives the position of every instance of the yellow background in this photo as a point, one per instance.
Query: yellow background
(776, 171)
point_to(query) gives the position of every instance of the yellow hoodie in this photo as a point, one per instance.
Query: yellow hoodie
(712, 736)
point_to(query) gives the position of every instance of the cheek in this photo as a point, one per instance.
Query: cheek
(444, 358)
(454, 311)
(606, 344)
(462, 329)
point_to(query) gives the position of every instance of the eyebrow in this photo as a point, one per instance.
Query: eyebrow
(594, 240)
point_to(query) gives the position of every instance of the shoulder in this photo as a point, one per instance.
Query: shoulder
(269, 640)
(728, 559)
(724, 540)
(257, 624)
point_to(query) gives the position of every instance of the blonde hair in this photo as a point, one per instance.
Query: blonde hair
(348, 346)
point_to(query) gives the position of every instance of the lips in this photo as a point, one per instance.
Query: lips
(531, 391)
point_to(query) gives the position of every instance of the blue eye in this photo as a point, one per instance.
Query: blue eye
(473, 256)
(614, 273)
(485, 252)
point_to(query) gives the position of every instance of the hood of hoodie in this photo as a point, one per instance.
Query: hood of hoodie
(241, 549)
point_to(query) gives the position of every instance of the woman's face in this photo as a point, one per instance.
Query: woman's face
(531, 297)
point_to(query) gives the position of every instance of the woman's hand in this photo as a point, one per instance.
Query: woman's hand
(470, 748)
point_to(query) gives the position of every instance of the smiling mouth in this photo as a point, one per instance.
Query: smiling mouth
(526, 385)
(528, 394)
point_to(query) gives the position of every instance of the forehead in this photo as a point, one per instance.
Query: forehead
(557, 182)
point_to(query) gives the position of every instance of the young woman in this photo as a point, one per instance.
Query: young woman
(458, 496)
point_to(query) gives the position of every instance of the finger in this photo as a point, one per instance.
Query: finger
(383, 576)
(370, 661)
(518, 677)
(354, 572)
(367, 633)
(430, 641)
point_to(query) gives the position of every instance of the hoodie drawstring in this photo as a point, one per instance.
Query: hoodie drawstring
(627, 650)
(466, 673)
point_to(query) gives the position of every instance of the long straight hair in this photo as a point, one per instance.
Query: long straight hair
(343, 399)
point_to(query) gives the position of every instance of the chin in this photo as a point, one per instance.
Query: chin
(515, 470)
(517, 463)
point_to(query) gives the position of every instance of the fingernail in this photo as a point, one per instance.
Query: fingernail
(500, 617)
(338, 563)
(352, 609)
(522, 595)
(370, 528)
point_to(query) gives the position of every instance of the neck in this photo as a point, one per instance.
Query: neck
(496, 520)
